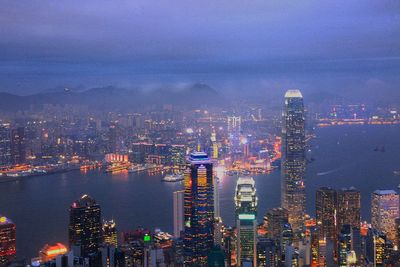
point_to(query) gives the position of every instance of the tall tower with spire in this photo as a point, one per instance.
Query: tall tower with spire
(293, 197)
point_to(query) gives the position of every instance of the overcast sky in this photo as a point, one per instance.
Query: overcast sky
(229, 44)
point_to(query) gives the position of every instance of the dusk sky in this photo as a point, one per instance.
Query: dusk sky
(314, 45)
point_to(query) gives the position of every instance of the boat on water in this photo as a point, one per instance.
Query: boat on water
(138, 168)
(172, 178)
(117, 167)
(396, 173)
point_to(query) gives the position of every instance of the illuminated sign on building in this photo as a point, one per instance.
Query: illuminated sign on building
(247, 217)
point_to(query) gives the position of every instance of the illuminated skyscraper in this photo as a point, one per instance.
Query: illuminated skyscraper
(18, 145)
(177, 155)
(375, 247)
(246, 222)
(5, 144)
(344, 245)
(214, 145)
(293, 196)
(85, 225)
(216, 198)
(198, 209)
(178, 197)
(112, 138)
(218, 224)
(325, 211)
(110, 236)
(276, 219)
(234, 128)
(234, 124)
(397, 225)
(348, 208)
(384, 211)
(7, 240)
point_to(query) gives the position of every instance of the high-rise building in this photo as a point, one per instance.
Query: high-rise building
(234, 124)
(325, 211)
(218, 232)
(18, 153)
(276, 218)
(344, 245)
(397, 225)
(216, 257)
(217, 213)
(198, 209)
(348, 208)
(177, 155)
(214, 145)
(349, 247)
(112, 138)
(384, 211)
(246, 220)
(110, 236)
(50, 252)
(234, 128)
(293, 197)
(266, 254)
(279, 231)
(85, 225)
(5, 144)
(111, 257)
(178, 197)
(7, 240)
(375, 247)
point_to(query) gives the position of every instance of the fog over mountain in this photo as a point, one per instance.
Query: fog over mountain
(251, 49)
(110, 97)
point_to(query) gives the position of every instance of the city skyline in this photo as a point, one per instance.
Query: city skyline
(199, 134)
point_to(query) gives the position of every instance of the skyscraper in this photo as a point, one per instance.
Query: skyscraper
(325, 211)
(293, 196)
(85, 225)
(246, 222)
(348, 208)
(384, 211)
(276, 219)
(198, 209)
(112, 138)
(216, 198)
(234, 128)
(375, 247)
(7, 240)
(18, 145)
(5, 144)
(110, 236)
(178, 197)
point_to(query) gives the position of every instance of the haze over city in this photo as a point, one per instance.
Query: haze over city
(343, 47)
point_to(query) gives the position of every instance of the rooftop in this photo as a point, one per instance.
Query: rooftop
(4, 220)
(385, 192)
(198, 156)
(293, 93)
(84, 201)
